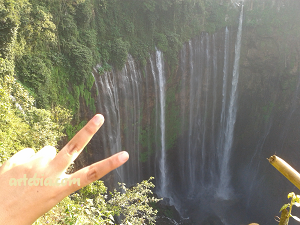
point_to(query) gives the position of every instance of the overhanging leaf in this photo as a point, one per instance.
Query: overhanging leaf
(284, 207)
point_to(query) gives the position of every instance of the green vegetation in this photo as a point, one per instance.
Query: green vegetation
(274, 19)
(295, 201)
(92, 206)
(54, 41)
(22, 125)
(276, 24)
(147, 141)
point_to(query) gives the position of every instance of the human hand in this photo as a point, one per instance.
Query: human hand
(22, 203)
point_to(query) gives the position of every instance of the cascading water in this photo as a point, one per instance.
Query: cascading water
(224, 189)
(162, 181)
(108, 105)
(207, 126)
(134, 104)
(191, 171)
(224, 94)
(214, 104)
(135, 80)
(155, 83)
(206, 84)
(121, 91)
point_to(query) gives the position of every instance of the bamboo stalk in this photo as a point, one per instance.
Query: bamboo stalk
(289, 172)
(284, 220)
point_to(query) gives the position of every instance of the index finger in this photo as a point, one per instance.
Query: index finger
(71, 151)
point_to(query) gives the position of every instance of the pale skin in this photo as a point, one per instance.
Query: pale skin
(25, 204)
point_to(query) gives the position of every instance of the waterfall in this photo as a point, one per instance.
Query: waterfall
(190, 161)
(224, 189)
(121, 91)
(183, 95)
(107, 103)
(224, 91)
(162, 188)
(134, 104)
(214, 104)
(135, 85)
(130, 102)
(206, 87)
(156, 101)
(222, 125)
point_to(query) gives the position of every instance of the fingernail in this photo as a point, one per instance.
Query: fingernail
(123, 157)
(98, 119)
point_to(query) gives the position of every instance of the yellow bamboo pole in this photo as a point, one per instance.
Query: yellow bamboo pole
(289, 172)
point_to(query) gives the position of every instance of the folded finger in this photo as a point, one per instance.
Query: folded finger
(19, 158)
(22, 156)
(45, 155)
(71, 151)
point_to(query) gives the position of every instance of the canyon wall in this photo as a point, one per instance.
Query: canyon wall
(175, 123)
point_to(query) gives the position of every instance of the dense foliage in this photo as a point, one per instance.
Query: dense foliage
(57, 43)
(23, 125)
(276, 22)
(92, 206)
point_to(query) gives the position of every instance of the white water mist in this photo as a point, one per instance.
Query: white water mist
(224, 189)
(162, 161)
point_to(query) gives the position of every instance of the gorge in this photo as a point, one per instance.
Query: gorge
(200, 130)
(199, 92)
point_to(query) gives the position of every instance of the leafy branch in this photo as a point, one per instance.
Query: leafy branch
(295, 201)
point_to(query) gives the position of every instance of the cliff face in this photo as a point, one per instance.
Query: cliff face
(186, 140)
(268, 117)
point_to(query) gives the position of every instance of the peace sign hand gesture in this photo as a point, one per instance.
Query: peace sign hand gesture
(23, 200)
